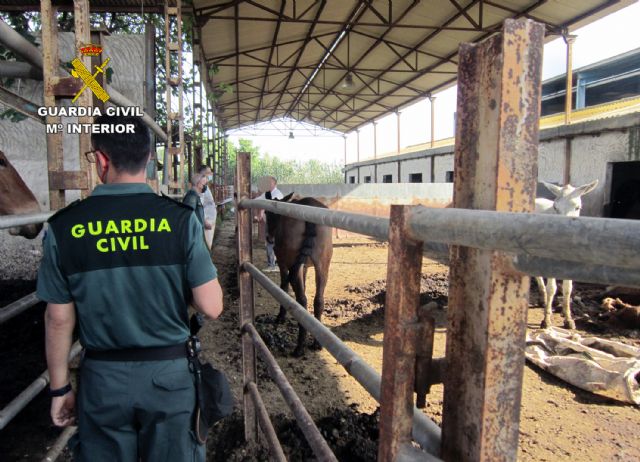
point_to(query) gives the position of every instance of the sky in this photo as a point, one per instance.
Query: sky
(612, 35)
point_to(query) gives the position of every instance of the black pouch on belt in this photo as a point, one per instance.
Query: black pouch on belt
(214, 399)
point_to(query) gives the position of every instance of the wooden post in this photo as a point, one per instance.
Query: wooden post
(245, 283)
(49, 71)
(495, 169)
(404, 265)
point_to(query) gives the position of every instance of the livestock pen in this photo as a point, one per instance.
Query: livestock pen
(490, 255)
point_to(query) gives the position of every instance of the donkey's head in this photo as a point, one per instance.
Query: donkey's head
(273, 219)
(568, 199)
(16, 198)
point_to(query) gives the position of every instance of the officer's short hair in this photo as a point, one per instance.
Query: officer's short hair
(127, 151)
(195, 178)
(203, 168)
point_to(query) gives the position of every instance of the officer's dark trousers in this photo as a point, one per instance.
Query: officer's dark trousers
(136, 410)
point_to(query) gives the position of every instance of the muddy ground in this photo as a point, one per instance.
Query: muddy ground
(558, 421)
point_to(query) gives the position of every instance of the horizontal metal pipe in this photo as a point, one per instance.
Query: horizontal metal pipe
(425, 431)
(17, 307)
(313, 436)
(20, 45)
(599, 274)
(24, 398)
(409, 453)
(10, 221)
(119, 99)
(265, 423)
(355, 222)
(57, 448)
(19, 70)
(578, 239)
(587, 241)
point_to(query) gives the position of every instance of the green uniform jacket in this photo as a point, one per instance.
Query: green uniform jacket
(128, 259)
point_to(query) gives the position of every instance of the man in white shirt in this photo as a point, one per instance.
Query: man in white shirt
(269, 184)
(210, 211)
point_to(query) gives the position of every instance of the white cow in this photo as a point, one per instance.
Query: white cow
(568, 202)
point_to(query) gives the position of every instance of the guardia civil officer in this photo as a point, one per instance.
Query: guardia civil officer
(125, 263)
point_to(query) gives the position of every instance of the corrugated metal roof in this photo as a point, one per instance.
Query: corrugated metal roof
(275, 55)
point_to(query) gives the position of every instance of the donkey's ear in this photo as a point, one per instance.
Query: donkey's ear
(585, 188)
(287, 198)
(555, 190)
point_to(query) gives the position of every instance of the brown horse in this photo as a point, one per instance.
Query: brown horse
(299, 245)
(16, 198)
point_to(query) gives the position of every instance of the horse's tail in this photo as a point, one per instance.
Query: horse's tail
(305, 249)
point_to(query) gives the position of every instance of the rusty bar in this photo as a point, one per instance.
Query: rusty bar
(313, 436)
(404, 264)
(568, 99)
(49, 71)
(425, 432)
(26, 396)
(266, 425)
(424, 354)
(245, 284)
(495, 169)
(17, 307)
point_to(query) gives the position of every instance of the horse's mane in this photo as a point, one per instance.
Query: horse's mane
(313, 202)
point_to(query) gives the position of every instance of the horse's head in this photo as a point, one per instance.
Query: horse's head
(273, 218)
(568, 199)
(16, 198)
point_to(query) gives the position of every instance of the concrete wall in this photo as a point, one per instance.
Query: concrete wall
(594, 146)
(24, 142)
(374, 199)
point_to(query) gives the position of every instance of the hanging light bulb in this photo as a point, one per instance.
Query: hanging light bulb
(290, 135)
(347, 84)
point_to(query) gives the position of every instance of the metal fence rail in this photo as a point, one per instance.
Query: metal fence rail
(425, 431)
(27, 395)
(17, 307)
(10, 221)
(542, 245)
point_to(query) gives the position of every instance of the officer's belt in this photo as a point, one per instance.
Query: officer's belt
(139, 354)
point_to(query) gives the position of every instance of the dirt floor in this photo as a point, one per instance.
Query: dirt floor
(558, 421)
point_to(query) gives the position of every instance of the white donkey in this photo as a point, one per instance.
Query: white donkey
(568, 202)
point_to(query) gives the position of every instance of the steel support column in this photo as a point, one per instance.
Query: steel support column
(398, 148)
(495, 169)
(345, 157)
(245, 284)
(375, 152)
(568, 99)
(432, 101)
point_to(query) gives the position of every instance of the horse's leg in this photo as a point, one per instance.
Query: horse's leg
(318, 299)
(284, 285)
(542, 289)
(567, 287)
(551, 293)
(301, 298)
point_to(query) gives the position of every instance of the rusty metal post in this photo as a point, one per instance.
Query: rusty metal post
(568, 99)
(245, 283)
(495, 169)
(404, 266)
(566, 175)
